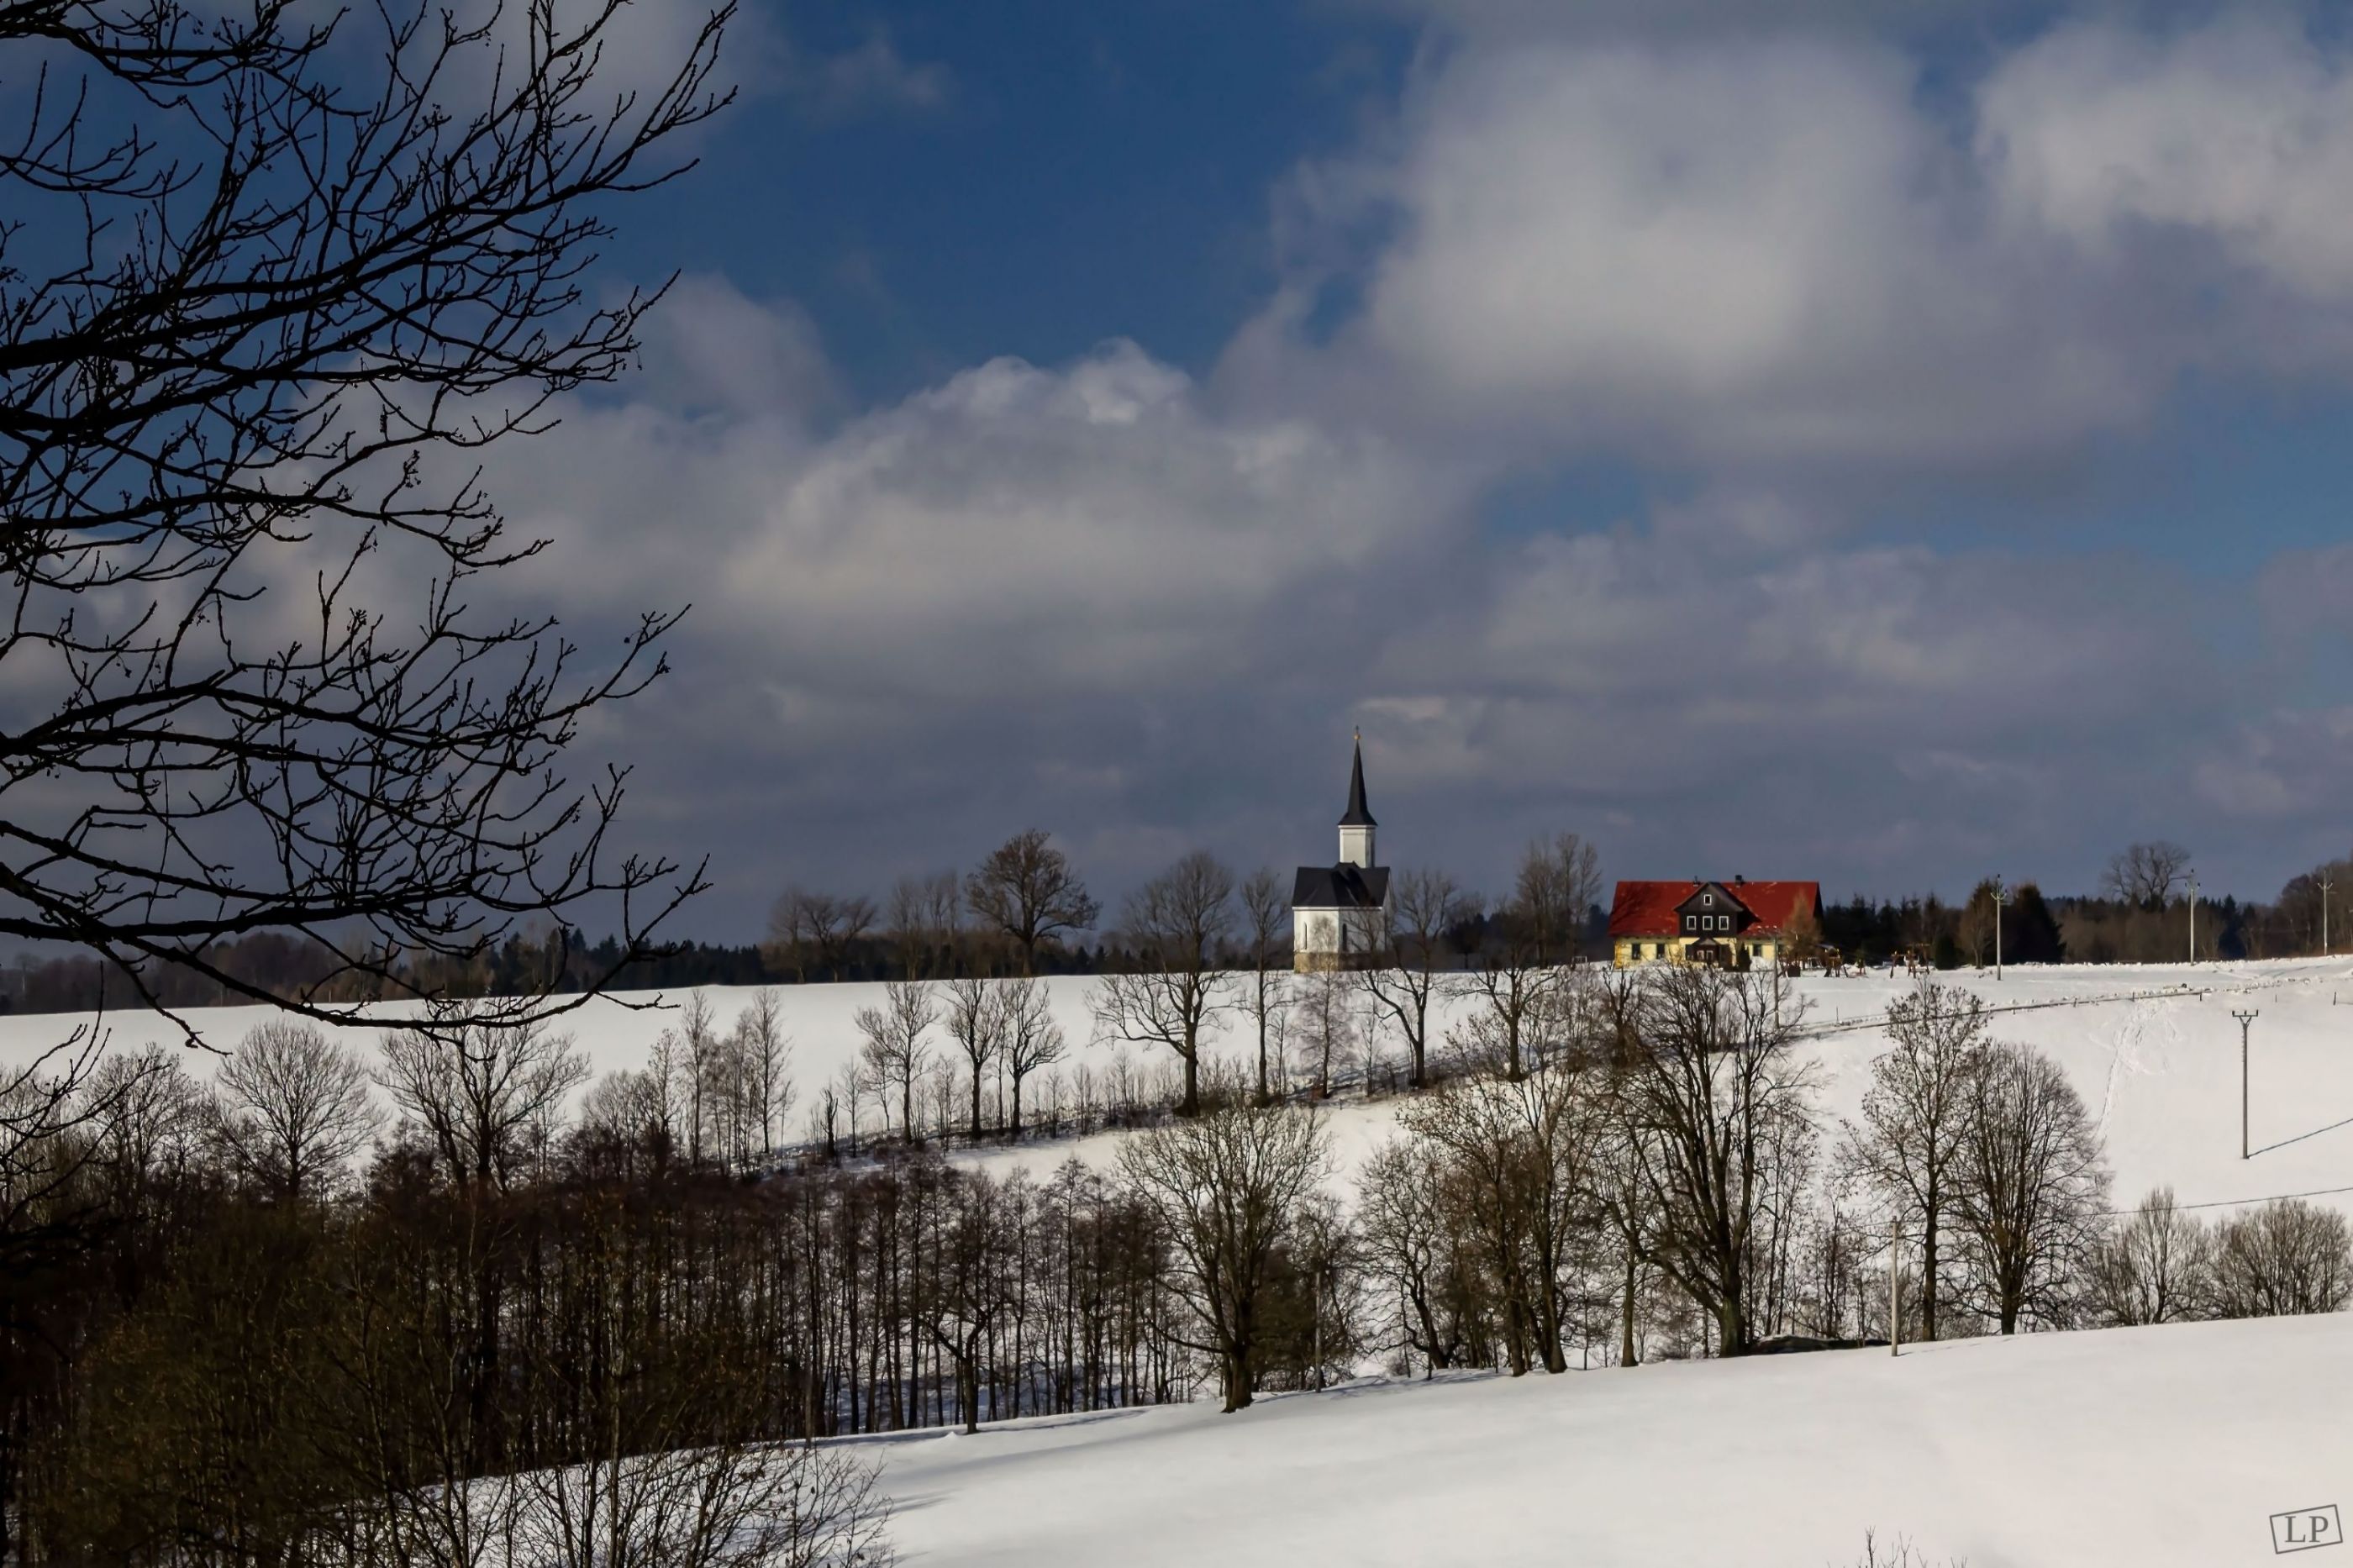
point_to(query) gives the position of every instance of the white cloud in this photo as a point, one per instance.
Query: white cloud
(1101, 593)
(873, 77)
(1013, 530)
(1774, 255)
(1761, 252)
(2240, 131)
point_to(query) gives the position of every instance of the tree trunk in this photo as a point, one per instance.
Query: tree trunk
(1261, 1034)
(1731, 1328)
(1626, 1316)
(1928, 1275)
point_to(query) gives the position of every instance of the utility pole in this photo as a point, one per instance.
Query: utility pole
(1315, 1295)
(2245, 1018)
(2323, 913)
(2000, 897)
(1895, 1313)
(2193, 917)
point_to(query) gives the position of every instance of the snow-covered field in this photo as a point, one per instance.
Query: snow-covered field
(2137, 1448)
(2142, 1447)
(2161, 1076)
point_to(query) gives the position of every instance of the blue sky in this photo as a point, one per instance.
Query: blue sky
(1081, 172)
(1890, 443)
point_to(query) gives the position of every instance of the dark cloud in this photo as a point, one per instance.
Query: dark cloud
(1144, 610)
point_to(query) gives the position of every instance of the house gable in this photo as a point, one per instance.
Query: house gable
(1712, 909)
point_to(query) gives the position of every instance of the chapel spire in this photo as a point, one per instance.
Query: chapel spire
(1357, 815)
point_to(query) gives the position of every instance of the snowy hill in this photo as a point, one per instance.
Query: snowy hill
(2160, 1074)
(2139, 1448)
(2128, 1446)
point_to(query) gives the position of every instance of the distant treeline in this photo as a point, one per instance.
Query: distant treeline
(1025, 910)
(290, 967)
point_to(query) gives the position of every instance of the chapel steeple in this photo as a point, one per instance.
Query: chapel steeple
(1356, 823)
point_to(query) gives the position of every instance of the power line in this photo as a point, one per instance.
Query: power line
(2238, 1203)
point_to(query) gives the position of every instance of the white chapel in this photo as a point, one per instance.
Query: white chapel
(1340, 913)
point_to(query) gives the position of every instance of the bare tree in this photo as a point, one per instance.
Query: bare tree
(1266, 915)
(625, 1110)
(906, 929)
(1708, 1079)
(294, 1109)
(1033, 1041)
(1176, 923)
(849, 1090)
(1426, 906)
(1028, 890)
(977, 1022)
(475, 1088)
(1519, 1154)
(2146, 874)
(2288, 1256)
(763, 1056)
(894, 1052)
(2032, 1185)
(689, 1504)
(291, 287)
(1322, 1027)
(943, 913)
(1414, 1246)
(148, 1120)
(824, 929)
(966, 1290)
(1515, 997)
(701, 1052)
(1559, 880)
(1229, 1187)
(924, 926)
(2155, 1267)
(1979, 918)
(1916, 1122)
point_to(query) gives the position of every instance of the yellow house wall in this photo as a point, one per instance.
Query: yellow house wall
(1631, 951)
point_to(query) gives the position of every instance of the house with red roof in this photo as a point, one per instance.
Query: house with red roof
(1730, 924)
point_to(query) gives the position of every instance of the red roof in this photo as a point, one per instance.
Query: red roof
(1648, 908)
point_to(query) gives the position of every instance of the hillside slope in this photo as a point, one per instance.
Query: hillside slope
(2145, 1447)
(2159, 1075)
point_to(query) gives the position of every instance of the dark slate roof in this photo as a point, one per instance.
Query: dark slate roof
(1341, 887)
(1357, 816)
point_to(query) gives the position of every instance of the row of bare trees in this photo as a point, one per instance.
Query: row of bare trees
(505, 1290)
(2165, 1264)
(1012, 910)
(261, 1346)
